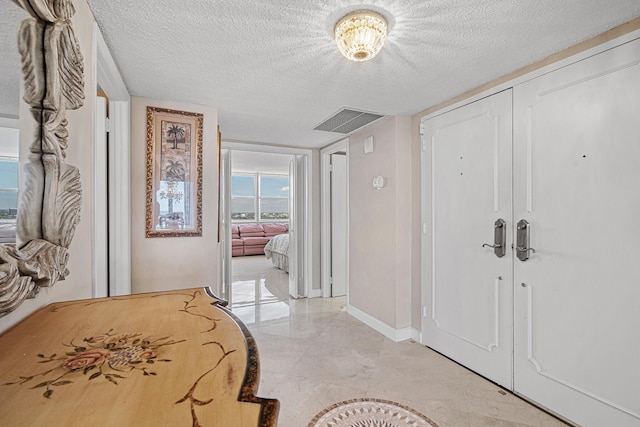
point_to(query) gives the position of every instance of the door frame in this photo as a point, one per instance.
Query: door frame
(325, 194)
(106, 75)
(224, 222)
(262, 148)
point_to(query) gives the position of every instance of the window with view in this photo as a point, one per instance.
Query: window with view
(8, 189)
(274, 197)
(9, 170)
(243, 198)
(259, 197)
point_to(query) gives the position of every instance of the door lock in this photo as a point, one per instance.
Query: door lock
(522, 241)
(499, 238)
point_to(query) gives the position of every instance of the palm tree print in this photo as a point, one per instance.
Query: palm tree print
(176, 131)
(175, 171)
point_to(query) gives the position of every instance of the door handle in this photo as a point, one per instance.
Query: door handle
(499, 238)
(526, 249)
(522, 241)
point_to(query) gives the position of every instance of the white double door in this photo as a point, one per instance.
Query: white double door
(561, 152)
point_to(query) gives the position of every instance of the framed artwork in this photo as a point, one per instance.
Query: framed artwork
(174, 173)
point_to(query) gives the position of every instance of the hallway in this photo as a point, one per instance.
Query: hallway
(314, 354)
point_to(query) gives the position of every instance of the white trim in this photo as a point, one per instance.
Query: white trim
(9, 122)
(315, 293)
(416, 335)
(426, 236)
(395, 335)
(108, 76)
(110, 81)
(539, 72)
(325, 202)
(262, 148)
(100, 217)
(120, 200)
(224, 247)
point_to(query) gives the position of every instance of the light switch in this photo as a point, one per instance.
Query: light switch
(368, 145)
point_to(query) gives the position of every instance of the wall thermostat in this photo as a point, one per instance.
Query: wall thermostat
(368, 145)
(378, 182)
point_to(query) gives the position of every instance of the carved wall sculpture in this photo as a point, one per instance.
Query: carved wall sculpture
(50, 195)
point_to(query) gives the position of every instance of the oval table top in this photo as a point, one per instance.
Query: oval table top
(176, 358)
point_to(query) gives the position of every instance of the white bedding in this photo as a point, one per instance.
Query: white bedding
(277, 250)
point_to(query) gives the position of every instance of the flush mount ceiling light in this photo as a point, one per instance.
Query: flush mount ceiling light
(360, 35)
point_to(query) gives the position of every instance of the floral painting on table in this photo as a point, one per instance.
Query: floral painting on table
(109, 356)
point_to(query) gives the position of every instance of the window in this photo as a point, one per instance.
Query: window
(259, 197)
(274, 197)
(8, 189)
(243, 198)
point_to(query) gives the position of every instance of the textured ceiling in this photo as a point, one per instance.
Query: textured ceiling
(273, 71)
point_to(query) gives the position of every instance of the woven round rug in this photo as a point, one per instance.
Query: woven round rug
(370, 413)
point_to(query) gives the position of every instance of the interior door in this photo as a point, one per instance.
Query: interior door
(577, 299)
(225, 225)
(100, 203)
(469, 317)
(339, 242)
(297, 225)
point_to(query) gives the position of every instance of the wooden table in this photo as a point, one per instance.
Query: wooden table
(160, 359)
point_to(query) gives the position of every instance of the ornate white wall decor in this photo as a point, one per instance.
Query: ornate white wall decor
(49, 203)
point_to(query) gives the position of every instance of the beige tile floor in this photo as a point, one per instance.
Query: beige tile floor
(314, 354)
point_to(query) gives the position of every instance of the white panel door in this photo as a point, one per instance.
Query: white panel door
(339, 242)
(470, 317)
(100, 203)
(577, 182)
(297, 225)
(225, 226)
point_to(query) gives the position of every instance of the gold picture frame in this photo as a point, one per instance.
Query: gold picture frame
(174, 173)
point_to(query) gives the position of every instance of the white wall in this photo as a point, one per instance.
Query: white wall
(252, 162)
(380, 223)
(80, 153)
(165, 263)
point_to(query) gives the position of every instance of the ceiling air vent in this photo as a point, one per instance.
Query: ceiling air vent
(346, 121)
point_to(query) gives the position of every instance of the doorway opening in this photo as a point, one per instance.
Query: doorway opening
(259, 214)
(335, 219)
(264, 228)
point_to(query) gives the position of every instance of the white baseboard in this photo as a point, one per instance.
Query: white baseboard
(393, 334)
(315, 293)
(416, 335)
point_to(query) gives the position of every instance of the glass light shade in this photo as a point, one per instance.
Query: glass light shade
(360, 35)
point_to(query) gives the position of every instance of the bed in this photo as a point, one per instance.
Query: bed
(277, 250)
